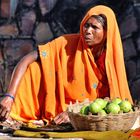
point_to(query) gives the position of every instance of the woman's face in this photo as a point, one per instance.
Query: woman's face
(94, 34)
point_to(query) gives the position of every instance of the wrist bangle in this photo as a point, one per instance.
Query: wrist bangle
(12, 97)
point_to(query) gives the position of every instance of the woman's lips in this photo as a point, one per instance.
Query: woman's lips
(87, 39)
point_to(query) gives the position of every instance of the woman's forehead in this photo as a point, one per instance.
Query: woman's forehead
(92, 20)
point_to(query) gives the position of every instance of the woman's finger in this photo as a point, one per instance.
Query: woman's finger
(61, 118)
(7, 114)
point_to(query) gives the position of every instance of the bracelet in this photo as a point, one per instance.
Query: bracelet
(12, 97)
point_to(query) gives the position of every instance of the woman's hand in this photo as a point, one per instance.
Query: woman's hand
(62, 118)
(5, 107)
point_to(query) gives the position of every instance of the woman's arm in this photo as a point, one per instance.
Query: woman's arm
(19, 71)
(8, 98)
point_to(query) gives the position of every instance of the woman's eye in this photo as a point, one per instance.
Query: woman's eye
(94, 27)
(87, 25)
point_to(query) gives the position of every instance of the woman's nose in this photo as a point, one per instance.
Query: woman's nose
(89, 29)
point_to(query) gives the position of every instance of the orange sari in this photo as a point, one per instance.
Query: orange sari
(68, 72)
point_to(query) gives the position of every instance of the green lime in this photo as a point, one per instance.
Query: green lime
(84, 110)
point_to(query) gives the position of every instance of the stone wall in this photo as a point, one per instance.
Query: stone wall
(26, 23)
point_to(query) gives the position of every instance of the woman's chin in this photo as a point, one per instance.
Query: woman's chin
(88, 43)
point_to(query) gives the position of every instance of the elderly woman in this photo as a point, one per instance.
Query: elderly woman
(69, 68)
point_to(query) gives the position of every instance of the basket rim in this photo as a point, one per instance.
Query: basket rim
(106, 116)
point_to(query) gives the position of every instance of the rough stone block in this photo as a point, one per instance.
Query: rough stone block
(129, 48)
(28, 20)
(16, 49)
(5, 8)
(135, 89)
(130, 69)
(43, 33)
(128, 25)
(138, 42)
(8, 30)
(138, 66)
(29, 2)
(46, 6)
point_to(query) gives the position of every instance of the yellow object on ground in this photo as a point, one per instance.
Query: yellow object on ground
(86, 135)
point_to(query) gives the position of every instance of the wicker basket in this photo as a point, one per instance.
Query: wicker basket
(122, 121)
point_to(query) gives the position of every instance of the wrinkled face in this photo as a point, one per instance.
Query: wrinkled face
(93, 31)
